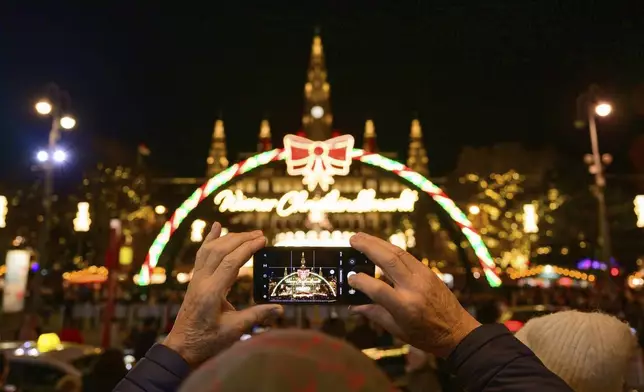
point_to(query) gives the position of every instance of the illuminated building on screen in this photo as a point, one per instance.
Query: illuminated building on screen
(317, 187)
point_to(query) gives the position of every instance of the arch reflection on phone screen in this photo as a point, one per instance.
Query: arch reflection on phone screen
(308, 275)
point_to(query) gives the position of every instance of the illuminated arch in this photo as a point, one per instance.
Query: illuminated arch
(295, 273)
(278, 154)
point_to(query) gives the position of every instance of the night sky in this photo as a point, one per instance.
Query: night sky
(476, 75)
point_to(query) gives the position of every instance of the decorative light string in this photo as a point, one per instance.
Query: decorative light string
(373, 159)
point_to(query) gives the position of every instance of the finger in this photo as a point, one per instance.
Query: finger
(204, 249)
(215, 232)
(380, 316)
(379, 292)
(382, 256)
(410, 261)
(244, 320)
(228, 270)
(223, 246)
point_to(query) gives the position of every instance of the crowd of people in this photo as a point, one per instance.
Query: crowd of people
(454, 340)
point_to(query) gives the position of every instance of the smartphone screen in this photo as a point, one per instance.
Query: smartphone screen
(308, 275)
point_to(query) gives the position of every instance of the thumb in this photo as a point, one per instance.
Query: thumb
(243, 320)
(380, 316)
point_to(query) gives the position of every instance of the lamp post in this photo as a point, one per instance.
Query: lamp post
(594, 107)
(54, 106)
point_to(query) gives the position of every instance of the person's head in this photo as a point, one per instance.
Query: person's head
(589, 351)
(289, 360)
(148, 323)
(110, 366)
(488, 312)
(4, 368)
(69, 383)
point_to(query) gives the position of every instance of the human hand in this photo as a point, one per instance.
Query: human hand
(419, 309)
(207, 323)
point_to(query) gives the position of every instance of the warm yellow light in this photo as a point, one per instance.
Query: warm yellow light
(196, 230)
(603, 109)
(638, 202)
(160, 209)
(474, 210)
(82, 221)
(3, 211)
(294, 202)
(43, 107)
(67, 122)
(530, 219)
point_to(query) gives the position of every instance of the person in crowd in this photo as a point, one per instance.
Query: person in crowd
(30, 329)
(362, 336)
(418, 309)
(69, 383)
(70, 333)
(4, 370)
(108, 370)
(144, 338)
(589, 351)
(421, 369)
(488, 312)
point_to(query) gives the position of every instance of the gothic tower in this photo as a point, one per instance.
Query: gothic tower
(265, 142)
(417, 156)
(317, 118)
(369, 138)
(217, 160)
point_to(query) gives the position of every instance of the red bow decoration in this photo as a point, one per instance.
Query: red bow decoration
(318, 161)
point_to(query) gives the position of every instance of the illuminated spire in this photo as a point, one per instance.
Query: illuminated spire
(417, 156)
(317, 119)
(265, 142)
(217, 160)
(369, 139)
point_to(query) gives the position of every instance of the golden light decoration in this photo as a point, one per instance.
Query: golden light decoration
(550, 269)
(635, 280)
(92, 274)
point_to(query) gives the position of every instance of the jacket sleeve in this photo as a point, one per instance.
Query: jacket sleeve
(161, 370)
(491, 359)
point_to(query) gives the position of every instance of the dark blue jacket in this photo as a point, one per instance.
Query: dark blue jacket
(490, 359)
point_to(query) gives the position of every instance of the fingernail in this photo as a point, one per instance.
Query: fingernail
(257, 233)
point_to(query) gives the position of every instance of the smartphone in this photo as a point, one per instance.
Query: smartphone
(309, 275)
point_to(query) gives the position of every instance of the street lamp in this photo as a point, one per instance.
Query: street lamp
(589, 103)
(55, 106)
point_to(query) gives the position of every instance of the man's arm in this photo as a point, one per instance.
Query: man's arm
(491, 359)
(161, 370)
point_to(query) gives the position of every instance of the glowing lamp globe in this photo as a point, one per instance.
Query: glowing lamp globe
(603, 109)
(60, 156)
(43, 107)
(42, 156)
(67, 122)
